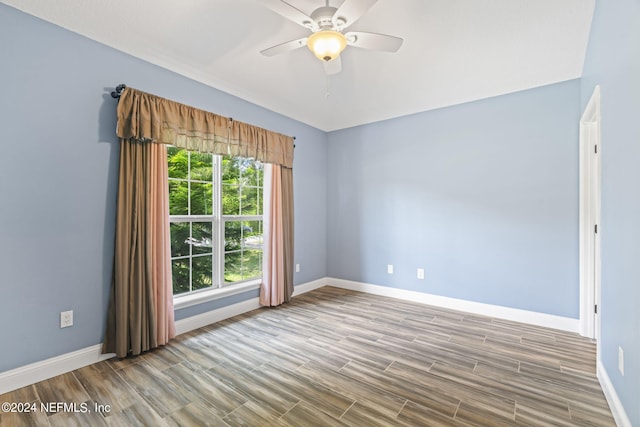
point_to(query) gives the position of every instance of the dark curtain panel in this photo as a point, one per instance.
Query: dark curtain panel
(140, 315)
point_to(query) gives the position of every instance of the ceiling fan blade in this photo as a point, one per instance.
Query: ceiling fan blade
(350, 11)
(373, 41)
(333, 67)
(290, 12)
(284, 47)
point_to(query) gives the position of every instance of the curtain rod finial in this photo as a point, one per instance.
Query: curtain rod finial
(116, 93)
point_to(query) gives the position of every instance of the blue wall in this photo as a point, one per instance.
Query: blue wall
(613, 62)
(483, 196)
(58, 177)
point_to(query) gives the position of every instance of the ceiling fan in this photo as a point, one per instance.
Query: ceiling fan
(327, 24)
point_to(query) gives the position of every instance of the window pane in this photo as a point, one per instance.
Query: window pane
(252, 234)
(201, 167)
(250, 201)
(201, 199)
(260, 173)
(232, 235)
(202, 274)
(243, 250)
(254, 174)
(201, 238)
(260, 201)
(178, 162)
(180, 273)
(178, 197)
(230, 200)
(179, 239)
(251, 264)
(233, 267)
(230, 171)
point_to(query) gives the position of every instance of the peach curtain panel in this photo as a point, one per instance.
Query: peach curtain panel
(140, 315)
(277, 272)
(149, 117)
(273, 251)
(159, 244)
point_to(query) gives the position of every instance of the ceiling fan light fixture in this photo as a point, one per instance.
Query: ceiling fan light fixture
(327, 45)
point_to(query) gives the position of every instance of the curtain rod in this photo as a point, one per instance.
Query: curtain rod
(116, 95)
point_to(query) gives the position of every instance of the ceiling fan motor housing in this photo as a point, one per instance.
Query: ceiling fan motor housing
(323, 16)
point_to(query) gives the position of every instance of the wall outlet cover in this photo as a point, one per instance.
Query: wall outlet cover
(66, 319)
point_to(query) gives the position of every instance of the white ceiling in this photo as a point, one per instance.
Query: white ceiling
(454, 51)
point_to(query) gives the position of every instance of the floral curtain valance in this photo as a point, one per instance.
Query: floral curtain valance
(148, 117)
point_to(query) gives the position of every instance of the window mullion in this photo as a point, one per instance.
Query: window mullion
(240, 177)
(193, 218)
(190, 223)
(218, 223)
(188, 182)
(190, 258)
(242, 217)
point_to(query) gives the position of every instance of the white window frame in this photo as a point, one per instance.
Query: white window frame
(220, 288)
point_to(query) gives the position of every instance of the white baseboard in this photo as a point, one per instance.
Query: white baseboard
(45, 369)
(617, 410)
(213, 316)
(309, 286)
(507, 313)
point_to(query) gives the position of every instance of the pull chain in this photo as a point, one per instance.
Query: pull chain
(327, 90)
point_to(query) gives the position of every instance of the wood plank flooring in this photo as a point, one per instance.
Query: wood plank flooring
(338, 358)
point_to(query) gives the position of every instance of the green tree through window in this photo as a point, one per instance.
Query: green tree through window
(215, 207)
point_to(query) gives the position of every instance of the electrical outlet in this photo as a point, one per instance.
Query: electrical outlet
(421, 273)
(66, 319)
(297, 268)
(620, 360)
(390, 268)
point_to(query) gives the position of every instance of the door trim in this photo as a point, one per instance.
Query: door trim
(590, 154)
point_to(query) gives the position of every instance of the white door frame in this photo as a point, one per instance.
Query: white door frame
(590, 149)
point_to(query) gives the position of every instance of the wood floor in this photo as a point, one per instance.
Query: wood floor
(338, 358)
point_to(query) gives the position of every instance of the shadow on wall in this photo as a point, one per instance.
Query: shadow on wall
(107, 120)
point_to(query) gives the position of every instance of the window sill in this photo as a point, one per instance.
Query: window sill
(214, 294)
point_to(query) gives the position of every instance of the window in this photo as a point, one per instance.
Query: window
(215, 215)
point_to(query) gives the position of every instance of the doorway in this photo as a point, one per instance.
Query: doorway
(590, 154)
